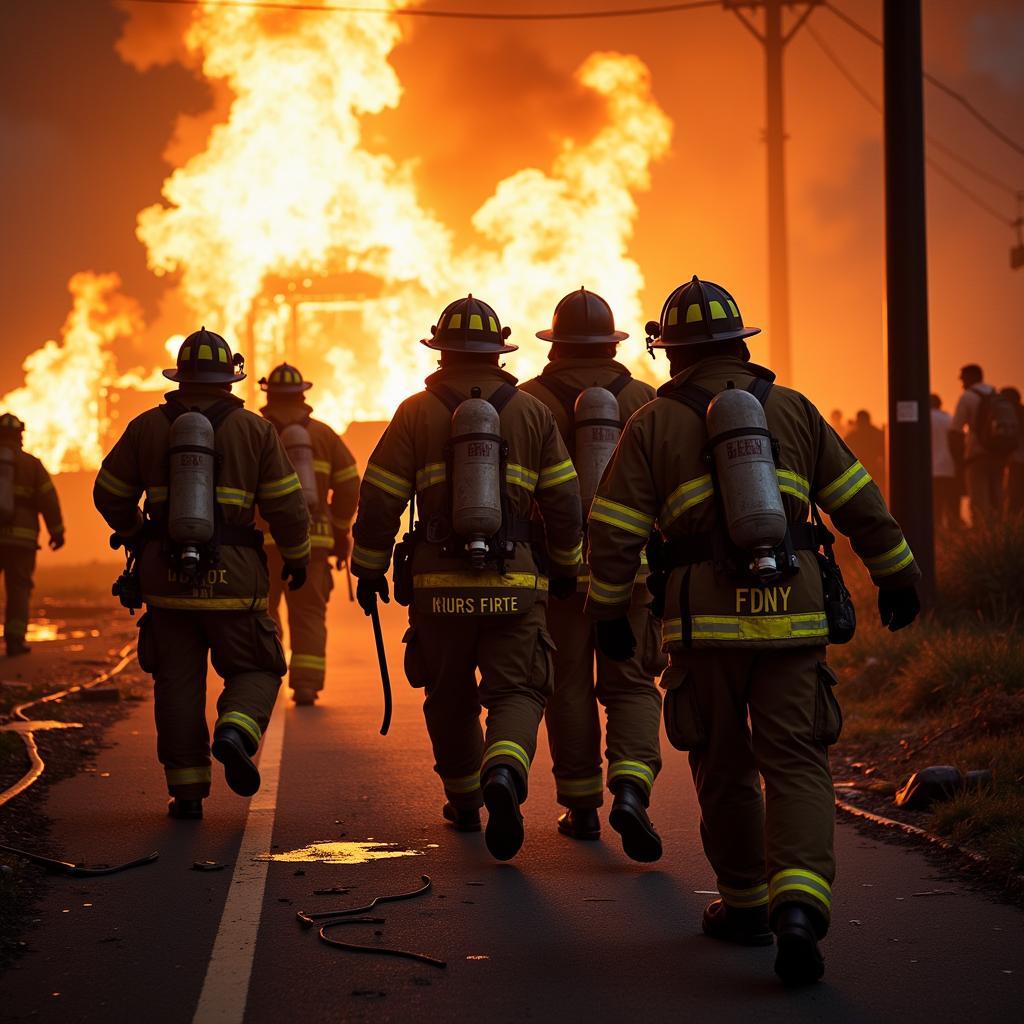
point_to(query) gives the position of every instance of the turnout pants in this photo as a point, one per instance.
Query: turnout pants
(513, 655)
(174, 647)
(18, 566)
(774, 848)
(625, 689)
(307, 618)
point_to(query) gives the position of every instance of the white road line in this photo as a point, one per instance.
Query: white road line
(226, 987)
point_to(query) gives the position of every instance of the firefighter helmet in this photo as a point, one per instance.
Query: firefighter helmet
(205, 358)
(284, 380)
(583, 318)
(695, 313)
(469, 325)
(9, 423)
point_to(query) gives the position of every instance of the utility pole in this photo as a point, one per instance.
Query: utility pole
(910, 474)
(774, 39)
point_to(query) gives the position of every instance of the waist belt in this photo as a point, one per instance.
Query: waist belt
(699, 547)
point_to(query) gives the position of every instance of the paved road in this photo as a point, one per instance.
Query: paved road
(566, 932)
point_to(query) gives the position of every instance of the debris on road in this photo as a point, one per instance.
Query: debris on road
(308, 919)
(207, 865)
(78, 870)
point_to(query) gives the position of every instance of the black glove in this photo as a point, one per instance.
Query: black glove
(294, 574)
(57, 541)
(898, 608)
(615, 639)
(367, 591)
(561, 588)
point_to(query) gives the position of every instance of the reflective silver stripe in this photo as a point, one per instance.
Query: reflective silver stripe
(552, 476)
(686, 496)
(428, 476)
(794, 484)
(388, 482)
(625, 518)
(891, 561)
(837, 493)
(610, 593)
(803, 881)
(758, 627)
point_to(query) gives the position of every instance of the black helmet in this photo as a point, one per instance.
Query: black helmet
(583, 318)
(284, 380)
(696, 313)
(10, 424)
(468, 325)
(205, 358)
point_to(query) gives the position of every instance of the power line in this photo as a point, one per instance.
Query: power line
(866, 95)
(932, 80)
(429, 12)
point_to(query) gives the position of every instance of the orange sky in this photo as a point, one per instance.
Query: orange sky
(87, 133)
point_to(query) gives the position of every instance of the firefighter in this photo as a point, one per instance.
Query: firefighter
(749, 606)
(325, 468)
(205, 465)
(475, 470)
(26, 493)
(582, 356)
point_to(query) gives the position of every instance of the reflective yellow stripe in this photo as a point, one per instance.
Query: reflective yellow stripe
(552, 476)
(758, 627)
(441, 580)
(686, 496)
(341, 523)
(609, 593)
(368, 558)
(892, 561)
(428, 476)
(308, 661)
(187, 776)
(278, 488)
(633, 769)
(520, 476)
(506, 748)
(389, 483)
(46, 486)
(801, 880)
(214, 604)
(592, 786)
(241, 721)
(296, 553)
(119, 488)
(567, 556)
(755, 896)
(321, 466)
(156, 494)
(625, 518)
(345, 474)
(236, 496)
(320, 541)
(465, 784)
(23, 492)
(836, 494)
(794, 484)
(21, 532)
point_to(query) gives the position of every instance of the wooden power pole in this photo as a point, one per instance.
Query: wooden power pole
(910, 464)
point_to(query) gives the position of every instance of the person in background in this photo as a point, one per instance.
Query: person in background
(983, 469)
(836, 421)
(1015, 463)
(945, 486)
(868, 441)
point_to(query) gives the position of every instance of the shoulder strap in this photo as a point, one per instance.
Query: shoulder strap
(616, 386)
(502, 396)
(693, 396)
(445, 394)
(216, 413)
(565, 393)
(761, 388)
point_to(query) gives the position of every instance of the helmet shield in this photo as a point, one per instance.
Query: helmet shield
(694, 314)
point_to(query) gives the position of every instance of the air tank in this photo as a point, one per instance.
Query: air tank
(7, 458)
(192, 485)
(299, 446)
(746, 477)
(597, 433)
(476, 475)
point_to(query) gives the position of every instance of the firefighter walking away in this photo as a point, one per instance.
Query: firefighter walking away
(330, 485)
(475, 457)
(205, 466)
(590, 396)
(26, 493)
(733, 470)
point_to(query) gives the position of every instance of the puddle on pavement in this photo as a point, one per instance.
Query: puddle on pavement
(43, 631)
(341, 852)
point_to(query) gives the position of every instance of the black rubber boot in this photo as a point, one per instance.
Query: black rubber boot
(580, 823)
(304, 698)
(640, 839)
(184, 810)
(798, 961)
(746, 926)
(232, 750)
(505, 834)
(462, 820)
(16, 646)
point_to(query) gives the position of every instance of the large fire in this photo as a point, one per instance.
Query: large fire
(294, 239)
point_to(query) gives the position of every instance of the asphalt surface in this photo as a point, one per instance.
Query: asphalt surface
(566, 932)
